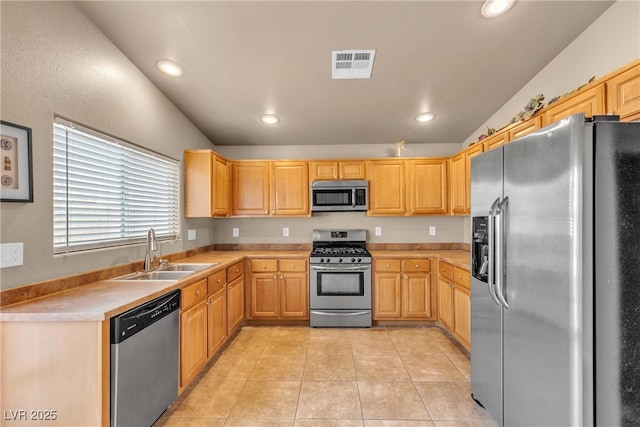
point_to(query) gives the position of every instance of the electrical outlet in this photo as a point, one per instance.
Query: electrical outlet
(432, 230)
(12, 254)
(191, 234)
(378, 231)
(236, 232)
(285, 231)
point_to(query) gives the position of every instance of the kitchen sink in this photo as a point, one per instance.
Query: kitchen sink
(156, 275)
(189, 267)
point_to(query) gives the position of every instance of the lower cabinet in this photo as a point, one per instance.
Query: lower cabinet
(402, 289)
(454, 301)
(279, 289)
(212, 309)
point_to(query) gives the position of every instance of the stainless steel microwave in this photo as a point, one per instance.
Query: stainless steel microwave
(339, 196)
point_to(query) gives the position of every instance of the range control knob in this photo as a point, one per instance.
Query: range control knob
(359, 259)
(340, 260)
(353, 260)
(321, 259)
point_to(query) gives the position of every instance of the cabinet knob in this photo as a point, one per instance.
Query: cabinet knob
(459, 277)
(417, 265)
(386, 266)
(219, 280)
(398, 276)
(406, 277)
(197, 292)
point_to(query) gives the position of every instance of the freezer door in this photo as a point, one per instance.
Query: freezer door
(617, 274)
(486, 315)
(543, 348)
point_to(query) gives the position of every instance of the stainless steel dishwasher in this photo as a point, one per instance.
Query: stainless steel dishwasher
(144, 361)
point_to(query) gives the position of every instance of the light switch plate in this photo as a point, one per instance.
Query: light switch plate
(12, 254)
(432, 230)
(191, 234)
(236, 232)
(378, 231)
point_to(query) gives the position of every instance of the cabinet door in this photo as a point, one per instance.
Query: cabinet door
(416, 295)
(290, 189)
(458, 184)
(495, 140)
(428, 186)
(525, 128)
(235, 304)
(387, 184)
(445, 303)
(623, 94)
(462, 315)
(250, 188)
(352, 169)
(193, 342)
(387, 303)
(294, 296)
(470, 153)
(264, 295)
(198, 183)
(217, 321)
(590, 102)
(323, 170)
(221, 194)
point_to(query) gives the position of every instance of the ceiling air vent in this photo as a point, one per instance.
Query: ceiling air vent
(352, 64)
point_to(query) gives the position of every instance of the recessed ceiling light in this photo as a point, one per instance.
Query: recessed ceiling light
(425, 117)
(493, 8)
(170, 68)
(269, 119)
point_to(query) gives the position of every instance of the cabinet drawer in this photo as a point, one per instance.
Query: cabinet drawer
(264, 265)
(445, 270)
(194, 293)
(299, 265)
(383, 265)
(461, 277)
(409, 265)
(216, 281)
(234, 271)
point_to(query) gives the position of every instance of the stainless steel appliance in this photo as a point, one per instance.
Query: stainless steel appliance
(340, 279)
(144, 361)
(339, 196)
(555, 323)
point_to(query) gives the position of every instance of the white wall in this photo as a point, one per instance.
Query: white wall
(611, 42)
(55, 61)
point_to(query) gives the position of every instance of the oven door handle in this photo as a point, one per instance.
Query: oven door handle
(357, 268)
(355, 313)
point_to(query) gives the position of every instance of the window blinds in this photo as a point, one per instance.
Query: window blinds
(109, 193)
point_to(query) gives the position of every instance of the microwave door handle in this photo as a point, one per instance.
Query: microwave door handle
(353, 197)
(491, 257)
(500, 252)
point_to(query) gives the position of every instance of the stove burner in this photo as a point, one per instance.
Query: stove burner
(339, 251)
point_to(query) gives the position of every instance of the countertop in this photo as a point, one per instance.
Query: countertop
(102, 300)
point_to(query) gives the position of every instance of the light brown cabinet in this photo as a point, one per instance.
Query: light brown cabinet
(623, 93)
(461, 179)
(261, 188)
(193, 331)
(402, 289)
(428, 187)
(387, 185)
(496, 140)
(525, 127)
(591, 102)
(341, 169)
(279, 289)
(206, 184)
(235, 297)
(216, 312)
(454, 301)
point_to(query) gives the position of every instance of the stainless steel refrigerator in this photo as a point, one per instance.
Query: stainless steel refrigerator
(555, 293)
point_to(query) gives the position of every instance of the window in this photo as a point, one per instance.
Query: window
(107, 192)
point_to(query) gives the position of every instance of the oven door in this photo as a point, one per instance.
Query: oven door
(340, 287)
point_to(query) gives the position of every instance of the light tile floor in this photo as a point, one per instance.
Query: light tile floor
(306, 377)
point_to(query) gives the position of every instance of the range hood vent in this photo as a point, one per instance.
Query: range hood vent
(352, 64)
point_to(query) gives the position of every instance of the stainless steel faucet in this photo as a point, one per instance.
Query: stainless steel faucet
(152, 246)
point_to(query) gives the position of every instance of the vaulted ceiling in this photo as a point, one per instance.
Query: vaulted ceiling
(242, 59)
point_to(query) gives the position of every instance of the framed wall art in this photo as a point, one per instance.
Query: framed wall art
(15, 163)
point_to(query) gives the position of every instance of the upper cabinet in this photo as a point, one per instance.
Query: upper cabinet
(263, 188)
(343, 169)
(428, 187)
(590, 102)
(461, 179)
(387, 185)
(623, 93)
(206, 184)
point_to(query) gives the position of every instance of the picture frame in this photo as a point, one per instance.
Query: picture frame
(16, 172)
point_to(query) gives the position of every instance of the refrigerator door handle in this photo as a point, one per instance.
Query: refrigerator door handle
(490, 255)
(499, 230)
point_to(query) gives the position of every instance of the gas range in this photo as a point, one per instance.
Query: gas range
(340, 247)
